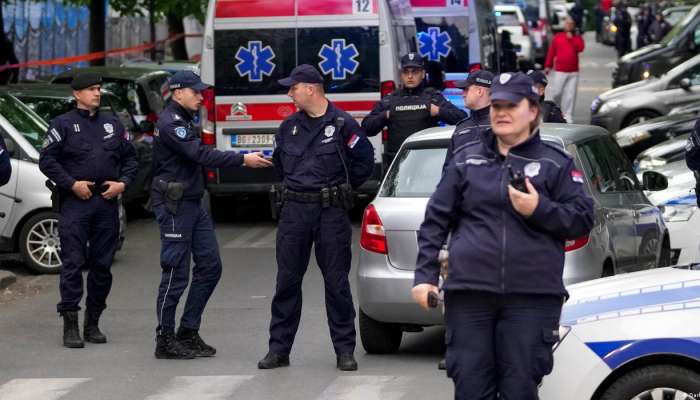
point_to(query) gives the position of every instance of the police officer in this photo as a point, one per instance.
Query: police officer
(692, 158)
(623, 22)
(87, 155)
(186, 229)
(409, 109)
(320, 154)
(549, 110)
(477, 98)
(511, 201)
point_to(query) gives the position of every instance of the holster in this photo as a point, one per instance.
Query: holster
(172, 194)
(55, 196)
(276, 200)
(343, 196)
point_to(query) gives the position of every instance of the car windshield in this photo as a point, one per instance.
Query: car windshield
(409, 177)
(678, 28)
(47, 108)
(30, 125)
(506, 18)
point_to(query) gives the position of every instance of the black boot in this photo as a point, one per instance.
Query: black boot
(190, 338)
(274, 360)
(91, 332)
(346, 362)
(168, 347)
(71, 332)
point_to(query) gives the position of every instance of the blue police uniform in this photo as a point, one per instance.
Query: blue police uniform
(692, 157)
(5, 166)
(84, 147)
(505, 270)
(309, 156)
(186, 228)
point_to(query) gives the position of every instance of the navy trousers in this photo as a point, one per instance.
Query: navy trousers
(500, 344)
(96, 221)
(302, 225)
(188, 234)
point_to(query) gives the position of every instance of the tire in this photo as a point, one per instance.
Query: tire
(379, 337)
(39, 243)
(637, 117)
(649, 245)
(654, 382)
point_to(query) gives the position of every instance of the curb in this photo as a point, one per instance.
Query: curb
(6, 279)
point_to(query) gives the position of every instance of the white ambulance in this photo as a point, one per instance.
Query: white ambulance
(249, 44)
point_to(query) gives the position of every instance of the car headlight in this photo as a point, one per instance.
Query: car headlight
(609, 106)
(613, 28)
(625, 139)
(678, 212)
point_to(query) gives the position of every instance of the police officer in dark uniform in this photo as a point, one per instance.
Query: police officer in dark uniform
(623, 22)
(477, 98)
(549, 110)
(186, 228)
(321, 154)
(412, 108)
(87, 155)
(692, 157)
(511, 201)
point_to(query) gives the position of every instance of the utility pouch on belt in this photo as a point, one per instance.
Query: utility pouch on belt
(172, 193)
(276, 200)
(55, 196)
(345, 197)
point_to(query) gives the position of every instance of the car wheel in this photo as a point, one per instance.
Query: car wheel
(649, 245)
(637, 117)
(39, 243)
(379, 337)
(655, 382)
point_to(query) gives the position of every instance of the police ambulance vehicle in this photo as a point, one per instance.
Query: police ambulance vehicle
(629, 337)
(249, 44)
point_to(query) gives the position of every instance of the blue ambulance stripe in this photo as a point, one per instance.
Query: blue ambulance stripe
(617, 353)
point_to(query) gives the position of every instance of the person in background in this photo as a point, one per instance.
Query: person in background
(623, 21)
(563, 58)
(659, 28)
(549, 110)
(7, 56)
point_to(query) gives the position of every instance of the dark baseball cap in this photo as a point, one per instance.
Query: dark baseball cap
(187, 79)
(303, 73)
(479, 78)
(538, 77)
(85, 80)
(414, 60)
(513, 87)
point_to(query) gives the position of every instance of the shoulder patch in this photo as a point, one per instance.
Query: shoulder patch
(181, 132)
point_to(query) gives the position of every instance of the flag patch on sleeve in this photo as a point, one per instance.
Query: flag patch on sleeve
(576, 176)
(353, 141)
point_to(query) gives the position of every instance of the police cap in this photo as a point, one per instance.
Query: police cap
(479, 78)
(513, 87)
(85, 80)
(538, 77)
(187, 79)
(303, 73)
(412, 60)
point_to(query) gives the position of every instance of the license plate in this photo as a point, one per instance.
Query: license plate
(252, 140)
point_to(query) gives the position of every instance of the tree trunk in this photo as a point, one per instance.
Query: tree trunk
(178, 47)
(98, 13)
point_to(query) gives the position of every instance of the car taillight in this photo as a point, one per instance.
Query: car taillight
(207, 114)
(385, 135)
(575, 244)
(372, 237)
(475, 67)
(525, 30)
(387, 88)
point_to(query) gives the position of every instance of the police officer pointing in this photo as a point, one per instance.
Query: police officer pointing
(321, 154)
(87, 155)
(186, 229)
(692, 157)
(411, 108)
(510, 201)
(477, 98)
(549, 110)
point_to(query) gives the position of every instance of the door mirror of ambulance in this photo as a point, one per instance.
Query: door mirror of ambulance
(685, 84)
(654, 181)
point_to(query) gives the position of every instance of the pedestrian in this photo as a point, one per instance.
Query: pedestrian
(87, 155)
(413, 107)
(509, 57)
(321, 155)
(576, 13)
(504, 289)
(477, 98)
(659, 28)
(8, 57)
(186, 228)
(549, 110)
(563, 57)
(643, 20)
(623, 23)
(692, 158)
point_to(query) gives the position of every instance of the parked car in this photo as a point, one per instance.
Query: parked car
(511, 19)
(629, 232)
(52, 100)
(539, 18)
(27, 224)
(170, 66)
(680, 210)
(680, 44)
(144, 90)
(661, 154)
(674, 15)
(640, 101)
(639, 137)
(629, 337)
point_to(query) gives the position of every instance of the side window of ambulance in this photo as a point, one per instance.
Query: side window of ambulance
(445, 40)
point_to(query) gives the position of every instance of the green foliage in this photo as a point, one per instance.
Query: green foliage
(178, 8)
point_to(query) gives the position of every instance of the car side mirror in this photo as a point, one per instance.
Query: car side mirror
(654, 181)
(146, 126)
(685, 84)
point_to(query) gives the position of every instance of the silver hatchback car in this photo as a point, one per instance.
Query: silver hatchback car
(629, 232)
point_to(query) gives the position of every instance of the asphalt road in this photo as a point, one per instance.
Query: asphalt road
(34, 365)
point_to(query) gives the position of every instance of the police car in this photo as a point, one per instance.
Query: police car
(633, 336)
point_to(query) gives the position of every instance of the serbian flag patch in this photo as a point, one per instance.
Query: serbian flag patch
(576, 176)
(353, 141)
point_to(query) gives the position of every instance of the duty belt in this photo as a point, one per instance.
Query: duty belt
(302, 197)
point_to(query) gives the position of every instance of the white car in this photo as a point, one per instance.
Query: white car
(511, 19)
(632, 336)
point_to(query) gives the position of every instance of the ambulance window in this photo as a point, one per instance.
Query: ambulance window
(435, 29)
(348, 57)
(405, 39)
(249, 62)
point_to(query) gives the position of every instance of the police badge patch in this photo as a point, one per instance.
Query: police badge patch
(109, 128)
(181, 132)
(330, 130)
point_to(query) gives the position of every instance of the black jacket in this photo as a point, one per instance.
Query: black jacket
(467, 130)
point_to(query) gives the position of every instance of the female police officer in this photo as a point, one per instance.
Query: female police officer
(504, 290)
